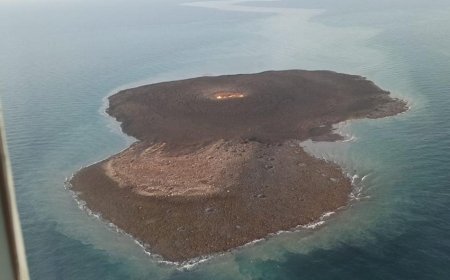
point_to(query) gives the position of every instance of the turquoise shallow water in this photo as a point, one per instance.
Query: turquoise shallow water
(58, 60)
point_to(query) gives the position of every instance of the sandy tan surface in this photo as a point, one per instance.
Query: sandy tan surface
(218, 162)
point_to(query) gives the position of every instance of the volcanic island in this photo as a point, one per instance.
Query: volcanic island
(218, 161)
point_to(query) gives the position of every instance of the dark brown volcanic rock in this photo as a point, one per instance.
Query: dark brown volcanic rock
(218, 162)
(277, 105)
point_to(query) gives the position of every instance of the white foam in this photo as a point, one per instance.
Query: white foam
(354, 178)
(313, 225)
(351, 139)
(319, 222)
(328, 214)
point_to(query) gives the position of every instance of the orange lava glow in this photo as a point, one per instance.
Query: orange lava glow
(228, 95)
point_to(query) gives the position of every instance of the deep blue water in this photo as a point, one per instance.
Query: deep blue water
(59, 59)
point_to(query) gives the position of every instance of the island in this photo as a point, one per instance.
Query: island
(218, 161)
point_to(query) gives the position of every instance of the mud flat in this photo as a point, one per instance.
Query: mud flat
(218, 163)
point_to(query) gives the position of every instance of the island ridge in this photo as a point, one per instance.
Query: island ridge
(218, 161)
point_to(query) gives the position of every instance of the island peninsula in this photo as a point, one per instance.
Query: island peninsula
(218, 162)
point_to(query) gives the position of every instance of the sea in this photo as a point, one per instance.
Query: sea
(60, 59)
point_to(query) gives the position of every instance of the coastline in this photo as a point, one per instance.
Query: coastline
(191, 263)
(292, 226)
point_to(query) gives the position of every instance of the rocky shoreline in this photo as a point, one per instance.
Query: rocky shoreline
(218, 161)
